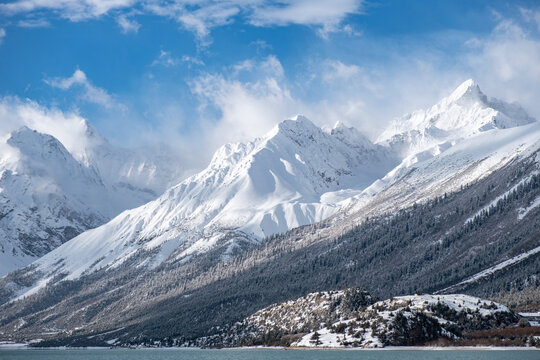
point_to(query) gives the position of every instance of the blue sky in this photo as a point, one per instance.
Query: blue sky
(198, 73)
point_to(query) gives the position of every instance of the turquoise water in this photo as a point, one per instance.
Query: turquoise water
(267, 354)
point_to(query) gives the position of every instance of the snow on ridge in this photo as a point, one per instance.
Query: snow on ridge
(502, 196)
(465, 112)
(490, 271)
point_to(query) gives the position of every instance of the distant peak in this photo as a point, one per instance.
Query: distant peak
(22, 129)
(469, 88)
(297, 122)
(301, 119)
(25, 134)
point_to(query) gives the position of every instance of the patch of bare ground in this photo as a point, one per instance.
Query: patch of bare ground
(510, 336)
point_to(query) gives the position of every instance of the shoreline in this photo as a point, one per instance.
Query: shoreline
(22, 346)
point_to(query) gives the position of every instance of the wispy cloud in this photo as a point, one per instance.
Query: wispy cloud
(199, 16)
(245, 108)
(506, 64)
(165, 59)
(2, 34)
(192, 60)
(33, 23)
(127, 25)
(75, 10)
(531, 16)
(91, 93)
(68, 127)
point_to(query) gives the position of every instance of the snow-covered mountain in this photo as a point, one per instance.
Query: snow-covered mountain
(293, 176)
(48, 194)
(163, 260)
(299, 174)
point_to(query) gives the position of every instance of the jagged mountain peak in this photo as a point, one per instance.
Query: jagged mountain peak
(26, 135)
(297, 125)
(468, 89)
(465, 112)
(40, 149)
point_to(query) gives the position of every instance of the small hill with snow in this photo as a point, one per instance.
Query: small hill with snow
(411, 320)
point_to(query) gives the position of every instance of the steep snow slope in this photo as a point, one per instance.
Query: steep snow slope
(249, 190)
(48, 194)
(429, 174)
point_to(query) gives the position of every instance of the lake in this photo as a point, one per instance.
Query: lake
(265, 354)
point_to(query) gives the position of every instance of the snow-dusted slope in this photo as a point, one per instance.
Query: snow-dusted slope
(48, 194)
(288, 178)
(409, 320)
(432, 173)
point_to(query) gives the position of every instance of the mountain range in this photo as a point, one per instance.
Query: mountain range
(298, 210)
(50, 194)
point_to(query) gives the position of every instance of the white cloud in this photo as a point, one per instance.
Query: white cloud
(165, 59)
(304, 12)
(200, 16)
(127, 25)
(247, 109)
(75, 10)
(338, 70)
(208, 16)
(505, 64)
(192, 60)
(2, 34)
(91, 93)
(270, 66)
(33, 23)
(68, 128)
(531, 16)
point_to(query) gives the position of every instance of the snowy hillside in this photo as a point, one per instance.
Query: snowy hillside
(48, 194)
(350, 318)
(463, 138)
